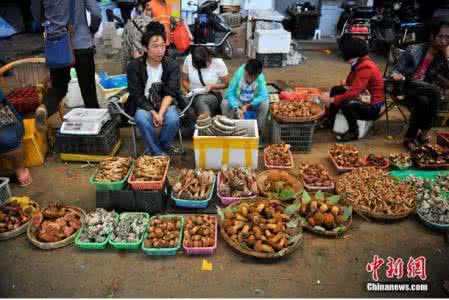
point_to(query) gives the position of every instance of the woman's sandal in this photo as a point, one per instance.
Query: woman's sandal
(25, 178)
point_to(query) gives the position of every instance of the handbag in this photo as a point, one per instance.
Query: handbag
(7, 116)
(58, 49)
(217, 95)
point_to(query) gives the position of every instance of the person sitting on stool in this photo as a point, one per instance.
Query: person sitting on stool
(364, 76)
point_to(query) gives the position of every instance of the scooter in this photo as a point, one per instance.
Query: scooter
(210, 30)
(355, 21)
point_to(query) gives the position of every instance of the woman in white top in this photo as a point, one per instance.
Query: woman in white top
(201, 70)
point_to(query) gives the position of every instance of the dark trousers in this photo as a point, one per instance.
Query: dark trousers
(422, 100)
(353, 110)
(60, 78)
(125, 10)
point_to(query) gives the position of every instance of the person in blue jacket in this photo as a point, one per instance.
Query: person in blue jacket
(248, 92)
(11, 135)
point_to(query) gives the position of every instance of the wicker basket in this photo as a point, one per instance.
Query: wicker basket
(284, 119)
(60, 244)
(253, 253)
(296, 184)
(328, 233)
(18, 231)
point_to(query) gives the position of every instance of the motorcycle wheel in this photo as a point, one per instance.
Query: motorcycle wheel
(227, 50)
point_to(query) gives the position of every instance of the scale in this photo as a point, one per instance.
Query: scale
(85, 121)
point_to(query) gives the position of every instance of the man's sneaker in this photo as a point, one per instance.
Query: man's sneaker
(40, 121)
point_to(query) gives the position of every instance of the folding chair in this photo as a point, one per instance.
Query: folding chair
(115, 107)
(391, 95)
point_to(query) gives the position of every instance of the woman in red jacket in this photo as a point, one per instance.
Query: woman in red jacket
(365, 76)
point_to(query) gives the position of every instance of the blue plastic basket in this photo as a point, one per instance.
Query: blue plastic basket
(194, 203)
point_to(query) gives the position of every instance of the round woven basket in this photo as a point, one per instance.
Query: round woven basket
(284, 119)
(249, 252)
(60, 244)
(296, 184)
(376, 215)
(18, 231)
(328, 233)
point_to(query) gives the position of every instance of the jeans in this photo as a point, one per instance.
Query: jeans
(60, 78)
(154, 144)
(206, 104)
(11, 135)
(261, 111)
(422, 100)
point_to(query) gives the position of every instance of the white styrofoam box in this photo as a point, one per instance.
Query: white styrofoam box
(257, 4)
(73, 98)
(190, 5)
(272, 41)
(329, 19)
(230, 2)
(212, 152)
(341, 125)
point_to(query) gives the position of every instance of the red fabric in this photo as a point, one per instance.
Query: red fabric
(422, 70)
(25, 100)
(365, 76)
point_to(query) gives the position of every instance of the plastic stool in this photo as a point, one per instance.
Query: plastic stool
(317, 35)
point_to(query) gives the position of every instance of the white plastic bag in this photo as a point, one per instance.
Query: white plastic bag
(341, 125)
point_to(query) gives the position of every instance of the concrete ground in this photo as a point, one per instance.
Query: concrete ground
(322, 267)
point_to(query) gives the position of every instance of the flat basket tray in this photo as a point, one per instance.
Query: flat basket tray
(246, 251)
(285, 119)
(18, 231)
(60, 244)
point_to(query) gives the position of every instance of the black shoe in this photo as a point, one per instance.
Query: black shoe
(349, 136)
(410, 144)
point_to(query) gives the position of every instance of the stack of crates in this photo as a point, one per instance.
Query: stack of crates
(298, 135)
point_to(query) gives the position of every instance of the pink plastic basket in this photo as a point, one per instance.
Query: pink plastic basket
(310, 188)
(203, 250)
(340, 169)
(148, 185)
(229, 200)
(265, 152)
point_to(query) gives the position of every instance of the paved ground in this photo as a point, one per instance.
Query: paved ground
(321, 268)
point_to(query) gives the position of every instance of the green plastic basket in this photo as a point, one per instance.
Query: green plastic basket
(94, 246)
(110, 186)
(430, 175)
(130, 246)
(164, 251)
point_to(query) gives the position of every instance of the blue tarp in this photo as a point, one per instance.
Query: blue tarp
(6, 30)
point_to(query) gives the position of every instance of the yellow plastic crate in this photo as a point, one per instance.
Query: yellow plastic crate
(35, 147)
(90, 157)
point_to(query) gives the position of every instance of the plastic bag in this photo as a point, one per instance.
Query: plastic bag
(182, 38)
